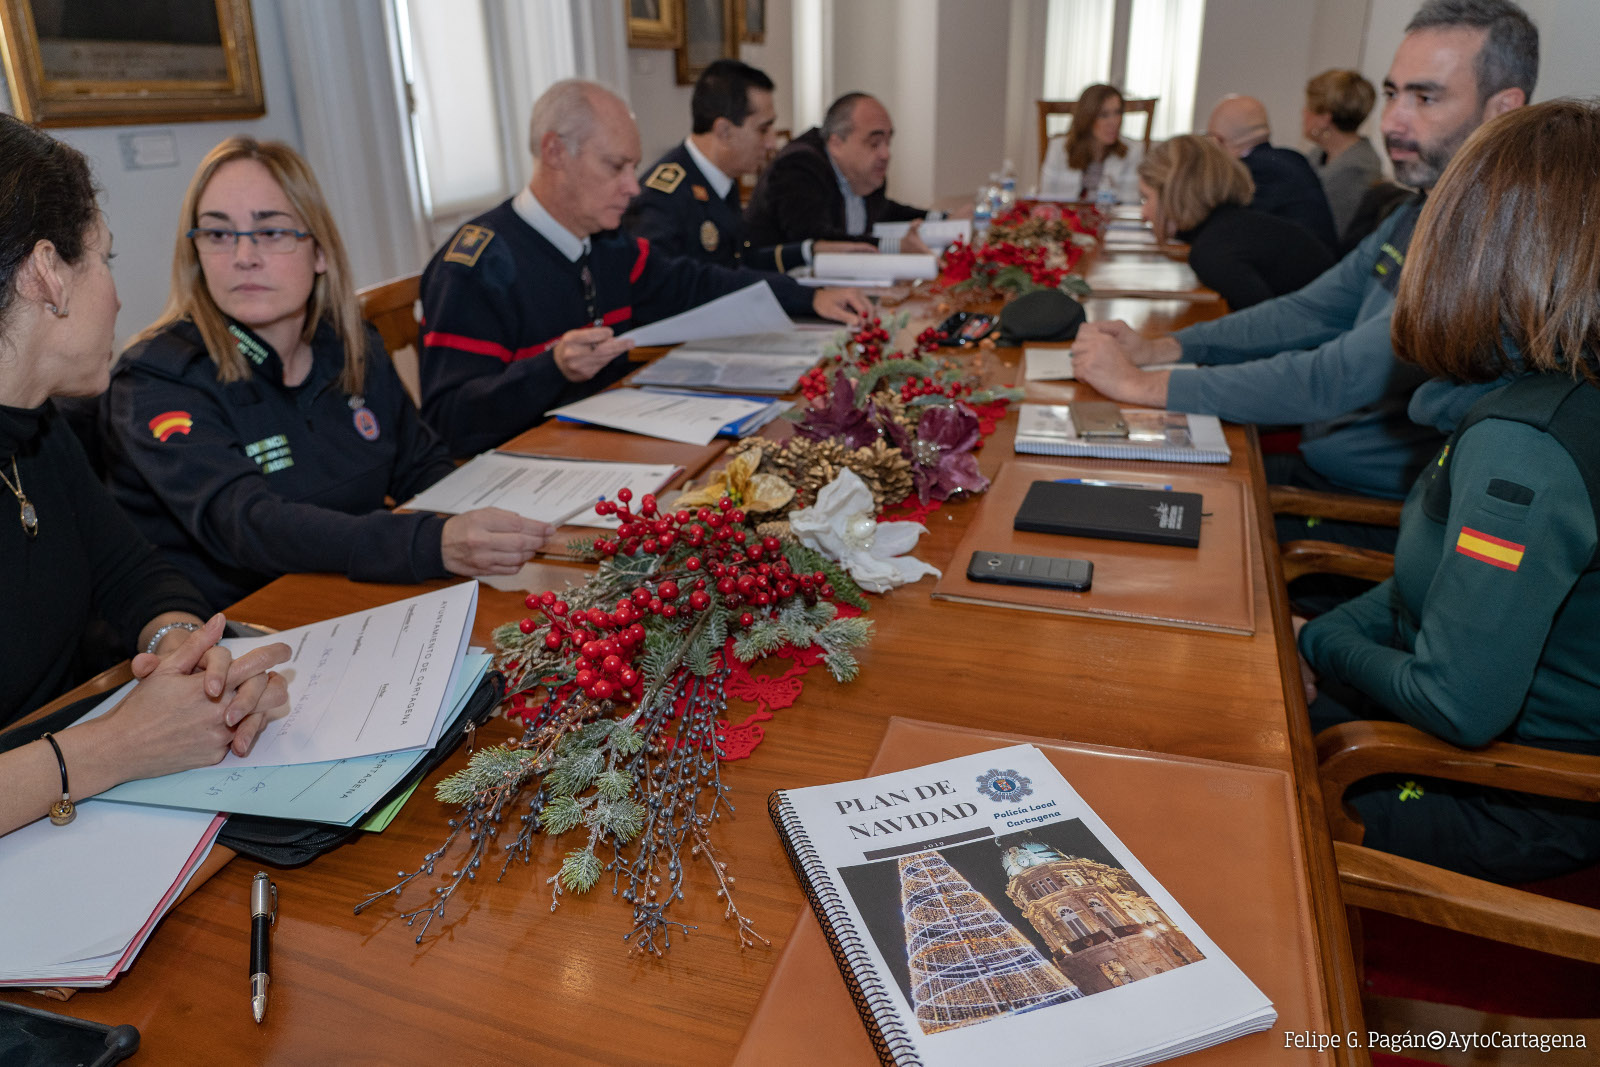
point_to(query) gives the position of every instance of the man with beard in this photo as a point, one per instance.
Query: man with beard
(1321, 356)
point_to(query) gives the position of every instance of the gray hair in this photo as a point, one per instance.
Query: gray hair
(840, 121)
(1509, 58)
(566, 109)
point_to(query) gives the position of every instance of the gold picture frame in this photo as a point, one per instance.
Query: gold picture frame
(710, 32)
(654, 23)
(126, 62)
(752, 21)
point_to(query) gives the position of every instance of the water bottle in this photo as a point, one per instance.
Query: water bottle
(993, 190)
(1008, 189)
(980, 216)
(1105, 197)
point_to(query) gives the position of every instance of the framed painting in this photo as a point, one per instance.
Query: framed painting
(655, 23)
(710, 32)
(753, 21)
(123, 62)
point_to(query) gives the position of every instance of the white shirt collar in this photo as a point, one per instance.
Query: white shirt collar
(528, 208)
(720, 182)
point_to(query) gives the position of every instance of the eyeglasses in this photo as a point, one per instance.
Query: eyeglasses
(274, 240)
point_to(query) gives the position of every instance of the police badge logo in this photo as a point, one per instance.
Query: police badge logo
(366, 423)
(1003, 787)
(709, 237)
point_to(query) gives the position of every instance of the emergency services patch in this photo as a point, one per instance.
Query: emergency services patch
(168, 423)
(665, 178)
(709, 237)
(469, 243)
(366, 423)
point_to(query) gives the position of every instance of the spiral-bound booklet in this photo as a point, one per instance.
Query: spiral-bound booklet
(979, 903)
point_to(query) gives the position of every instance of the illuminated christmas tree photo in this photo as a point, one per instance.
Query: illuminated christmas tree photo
(967, 963)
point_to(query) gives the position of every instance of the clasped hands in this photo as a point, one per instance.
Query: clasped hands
(195, 703)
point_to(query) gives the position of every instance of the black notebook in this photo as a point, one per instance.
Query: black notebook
(1155, 516)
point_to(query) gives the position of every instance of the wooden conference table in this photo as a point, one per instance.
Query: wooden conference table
(506, 980)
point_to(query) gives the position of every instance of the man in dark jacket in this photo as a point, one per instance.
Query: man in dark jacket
(1286, 185)
(828, 183)
(689, 201)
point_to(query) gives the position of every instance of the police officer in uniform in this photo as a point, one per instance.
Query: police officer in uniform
(521, 308)
(689, 202)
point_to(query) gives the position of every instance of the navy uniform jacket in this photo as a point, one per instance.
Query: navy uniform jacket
(238, 483)
(1287, 187)
(680, 214)
(497, 298)
(798, 199)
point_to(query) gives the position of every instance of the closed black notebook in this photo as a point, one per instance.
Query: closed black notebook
(1154, 516)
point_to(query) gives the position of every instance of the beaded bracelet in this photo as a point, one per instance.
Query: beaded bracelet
(64, 810)
(167, 629)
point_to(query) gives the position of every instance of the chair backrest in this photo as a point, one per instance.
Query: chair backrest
(1047, 108)
(391, 306)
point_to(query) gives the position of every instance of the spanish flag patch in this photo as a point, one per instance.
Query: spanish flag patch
(1494, 551)
(168, 423)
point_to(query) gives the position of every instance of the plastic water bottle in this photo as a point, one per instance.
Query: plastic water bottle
(980, 216)
(1008, 189)
(1105, 197)
(993, 189)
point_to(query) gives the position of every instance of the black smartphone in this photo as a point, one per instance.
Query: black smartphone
(966, 328)
(1052, 572)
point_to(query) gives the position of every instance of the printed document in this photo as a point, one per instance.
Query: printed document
(694, 420)
(540, 487)
(752, 309)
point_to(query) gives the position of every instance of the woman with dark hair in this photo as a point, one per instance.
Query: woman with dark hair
(1337, 103)
(1092, 154)
(258, 428)
(1487, 630)
(1197, 191)
(68, 555)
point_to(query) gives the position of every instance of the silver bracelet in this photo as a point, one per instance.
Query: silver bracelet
(155, 641)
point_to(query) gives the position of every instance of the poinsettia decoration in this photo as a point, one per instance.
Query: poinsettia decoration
(1027, 248)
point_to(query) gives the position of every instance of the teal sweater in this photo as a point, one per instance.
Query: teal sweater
(1320, 356)
(1471, 650)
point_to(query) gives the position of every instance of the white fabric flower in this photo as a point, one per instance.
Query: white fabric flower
(841, 526)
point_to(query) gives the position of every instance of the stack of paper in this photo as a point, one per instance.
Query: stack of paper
(753, 363)
(937, 234)
(693, 418)
(545, 488)
(370, 694)
(858, 268)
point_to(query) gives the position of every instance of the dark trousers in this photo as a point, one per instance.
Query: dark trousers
(1495, 834)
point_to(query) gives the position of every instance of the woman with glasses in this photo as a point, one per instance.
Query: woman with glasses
(67, 554)
(258, 428)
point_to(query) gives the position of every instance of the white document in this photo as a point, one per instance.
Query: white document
(956, 889)
(1047, 364)
(882, 267)
(937, 234)
(752, 309)
(76, 894)
(735, 372)
(538, 487)
(808, 340)
(694, 420)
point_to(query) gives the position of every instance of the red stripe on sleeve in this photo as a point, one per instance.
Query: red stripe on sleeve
(477, 347)
(638, 264)
(616, 315)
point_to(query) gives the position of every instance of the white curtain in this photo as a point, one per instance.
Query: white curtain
(813, 61)
(1077, 46)
(1164, 60)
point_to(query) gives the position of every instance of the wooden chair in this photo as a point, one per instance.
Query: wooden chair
(1350, 752)
(1065, 107)
(391, 306)
(1381, 882)
(1299, 558)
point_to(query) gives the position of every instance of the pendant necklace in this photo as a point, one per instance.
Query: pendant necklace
(30, 517)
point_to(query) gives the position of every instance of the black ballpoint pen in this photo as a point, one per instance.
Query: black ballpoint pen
(263, 915)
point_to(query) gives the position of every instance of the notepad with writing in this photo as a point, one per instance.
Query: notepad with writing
(979, 902)
(1047, 430)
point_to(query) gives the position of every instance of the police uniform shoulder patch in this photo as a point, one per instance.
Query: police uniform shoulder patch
(665, 178)
(468, 245)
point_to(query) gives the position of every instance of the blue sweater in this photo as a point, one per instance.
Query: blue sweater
(1321, 356)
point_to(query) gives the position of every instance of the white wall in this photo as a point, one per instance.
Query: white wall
(661, 105)
(142, 205)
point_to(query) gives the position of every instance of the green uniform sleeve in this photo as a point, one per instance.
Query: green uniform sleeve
(1519, 533)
